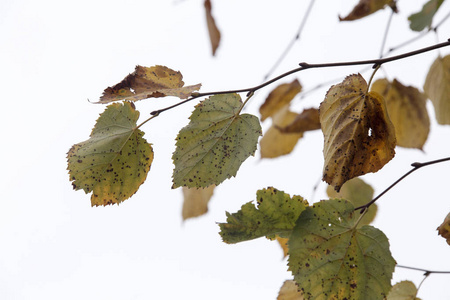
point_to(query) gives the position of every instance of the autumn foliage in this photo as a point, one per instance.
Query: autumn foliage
(334, 252)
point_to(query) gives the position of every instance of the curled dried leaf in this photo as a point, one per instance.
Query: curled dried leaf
(368, 7)
(278, 98)
(214, 33)
(307, 120)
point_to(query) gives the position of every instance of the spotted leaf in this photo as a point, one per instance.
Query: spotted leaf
(115, 160)
(217, 140)
(358, 135)
(289, 291)
(331, 258)
(274, 216)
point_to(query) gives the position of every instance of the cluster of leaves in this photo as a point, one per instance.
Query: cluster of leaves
(333, 251)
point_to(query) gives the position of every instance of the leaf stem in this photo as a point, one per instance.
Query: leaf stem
(416, 166)
(305, 66)
(153, 116)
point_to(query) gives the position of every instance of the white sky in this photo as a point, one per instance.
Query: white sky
(54, 55)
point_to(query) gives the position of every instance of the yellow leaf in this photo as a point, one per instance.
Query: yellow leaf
(407, 110)
(305, 121)
(153, 82)
(284, 245)
(289, 291)
(196, 201)
(275, 143)
(367, 7)
(214, 33)
(444, 229)
(358, 136)
(403, 290)
(437, 88)
(278, 98)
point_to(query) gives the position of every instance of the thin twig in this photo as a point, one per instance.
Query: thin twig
(386, 31)
(423, 270)
(416, 166)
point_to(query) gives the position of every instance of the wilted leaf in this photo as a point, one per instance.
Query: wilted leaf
(153, 82)
(305, 121)
(358, 136)
(407, 110)
(444, 229)
(437, 88)
(115, 160)
(274, 143)
(196, 201)
(404, 290)
(289, 291)
(275, 215)
(419, 21)
(368, 7)
(278, 98)
(283, 244)
(358, 193)
(215, 143)
(331, 258)
(214, 33)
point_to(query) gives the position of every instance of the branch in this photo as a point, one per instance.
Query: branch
(304, 66)
(427, 272)
(416, 166)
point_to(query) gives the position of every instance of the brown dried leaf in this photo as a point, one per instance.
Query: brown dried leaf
(367, 7)
(437, 88)
(214, 33)
(444, 229)
(358, 135)
(196, 201)
(407, 110)
(278, 98)
(149, 82)
(289, 291)
(275, 143)
(307, 120)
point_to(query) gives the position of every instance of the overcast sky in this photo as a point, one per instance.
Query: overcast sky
(55, 55)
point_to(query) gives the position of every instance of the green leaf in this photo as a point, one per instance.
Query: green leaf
(437, 88)
(419, 21)
(114, 162)
(215, 143)
(331, 258)
(275, 214)
(404, 290)
(358, 193)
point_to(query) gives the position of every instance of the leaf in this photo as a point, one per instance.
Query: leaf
(358, 135)
(404, 290)
(153, 82)
(358, 193)
(289, 291)
(274, 143)
(444, 229)
(115, 160)
(407, 110)
(214, 33)
(367, 7)
(278, 98)
(275, 214)
(196, 201)
(331, 258)
(419, 21)
(283, 244)
(215, 143)
(437, 88)
(307, 120)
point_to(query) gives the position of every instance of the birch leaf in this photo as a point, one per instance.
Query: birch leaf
(274, 215)
(358, 193)
(196, 201)
(214, 33)
(274, 143)
(279, 98)
(444, 229)
(115, 160)
(331, 258)
(307, 120)
(289, 291)
(423, 19)
(217, 140)
(437, 88)
(358, 135)
(153, 82)
(404, 290)
(367, 7)
(407, 110)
